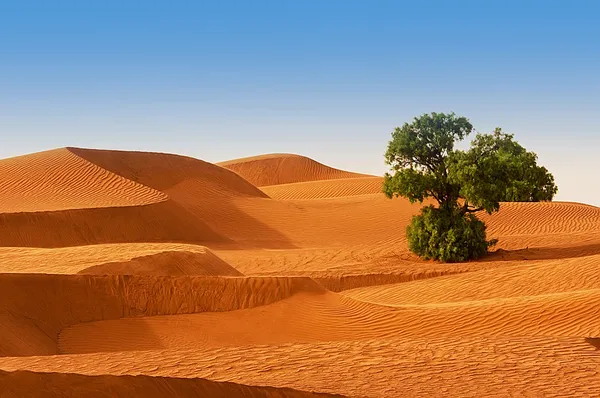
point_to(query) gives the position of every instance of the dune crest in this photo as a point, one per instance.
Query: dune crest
(59, 180)
(322, 189)
(171, 263)
(73, 259)
(165, 172)
(306, 318)
(34, 308)
(281, 168)
(30, 384)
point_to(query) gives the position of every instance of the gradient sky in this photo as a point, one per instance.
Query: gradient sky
(327, 79)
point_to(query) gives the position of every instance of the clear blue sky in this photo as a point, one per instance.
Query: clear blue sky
(328, 79)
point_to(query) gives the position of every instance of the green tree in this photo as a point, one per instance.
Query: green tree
(426, 165)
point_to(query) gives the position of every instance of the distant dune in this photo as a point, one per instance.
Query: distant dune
(170, 173)
(282, 168)
(147, 273)
(322, 189)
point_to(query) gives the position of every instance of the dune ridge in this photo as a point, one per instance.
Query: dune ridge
(536, 278)
(38, 384)
(165, 172)
(543, 218)
(305, 318)
(34, 308)
(73, 259)
(397, 367)
(283, 168)
(174, 263)
(59, 180)
(322, 189)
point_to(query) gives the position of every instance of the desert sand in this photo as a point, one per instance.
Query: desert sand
(149, 274)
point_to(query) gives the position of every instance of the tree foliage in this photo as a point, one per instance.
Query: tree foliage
(426, 165)
(447, 236)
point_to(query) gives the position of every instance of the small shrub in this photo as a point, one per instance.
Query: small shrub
(447, 235)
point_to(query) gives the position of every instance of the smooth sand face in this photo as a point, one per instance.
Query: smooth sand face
(154, 274)
(275, 169)
(60, 180)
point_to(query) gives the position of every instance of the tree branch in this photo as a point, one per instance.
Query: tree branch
(468, 209)
(435, 196)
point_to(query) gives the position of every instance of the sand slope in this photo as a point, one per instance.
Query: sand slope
(543, 218)
(536, 278)
(23, 383)
(160, 222)
(465, 367)
(74, 206)
(60, 180)
(325, 188)
(145, 256)
(165, 172)
(175, 263)
(283, 168)
(35, 308)
(310, 317)
(188, 269)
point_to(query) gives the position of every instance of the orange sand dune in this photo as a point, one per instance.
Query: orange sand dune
(200, 189)
(283, 168)
(543, 218)
(160, 222)
(325, 188)
(174, 263)
(60, 180)
(23, 383)
(532, 279)
(165, 172)
(71, 260)
(324, 316)
(160, 243)
(34, 308)
(465, 367)
(212, 206)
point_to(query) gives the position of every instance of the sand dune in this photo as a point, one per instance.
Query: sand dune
(60, 180)
(283, 168)
(161, 222)
(35, 308)
(202, 194)
(175, 263)
(189, 269)
(317, 316)
(71, 260)
(23, 383)
(325, 188)
(211, 206)
(543, 218)
(471, 367)
(165, 172)
(532, 279)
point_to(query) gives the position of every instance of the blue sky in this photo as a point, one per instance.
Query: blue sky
(327, 79)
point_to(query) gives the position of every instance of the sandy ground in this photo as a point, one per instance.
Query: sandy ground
(131, 273)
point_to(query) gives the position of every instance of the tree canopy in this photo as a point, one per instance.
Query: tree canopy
(496, 168)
